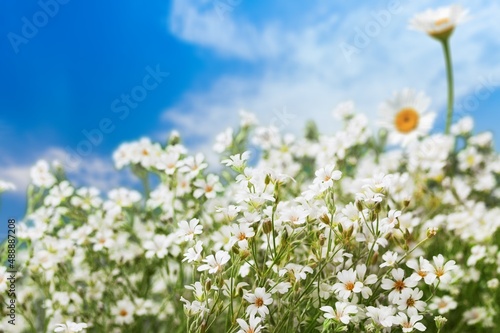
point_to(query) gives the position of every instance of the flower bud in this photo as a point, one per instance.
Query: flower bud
(431, 232)
(406, 202)
(322, 239)
(267, 226)
(325, 219)
(244, 254)
(359, 205)
(267, 180)
(208, 285)
(440, 321)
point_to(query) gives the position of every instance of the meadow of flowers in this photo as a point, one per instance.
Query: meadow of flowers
(387, 229)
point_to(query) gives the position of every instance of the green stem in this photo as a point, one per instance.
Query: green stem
(449, 77)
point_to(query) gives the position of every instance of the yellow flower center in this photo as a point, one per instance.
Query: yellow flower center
(442, 21)
(349, 286)
(399, 285)
(410, 302)
(259, 302)
(406, 120)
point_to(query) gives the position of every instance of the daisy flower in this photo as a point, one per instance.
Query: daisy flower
(237, 161)
(341, 312)
(326, 175)
(123, 312)
(215, 263)
(439, 23)
(41, 176)
(411, 323)
(258, 302)
(348, 284)
(190, 229)
(398, 285)
(158, 246)
(253, 325)
(421, 268)
(208, 188)
(223, 141)
(443, 304)
(390, 259)
(194, 253)
(241, 233)
(407, 116)
(70, 327)
(410, 300)
(439, 270)
(383, 315)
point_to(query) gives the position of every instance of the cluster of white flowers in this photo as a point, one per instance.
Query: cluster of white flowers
(356, 231)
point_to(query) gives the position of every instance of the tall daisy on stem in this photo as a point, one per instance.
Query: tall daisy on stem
(440, 23)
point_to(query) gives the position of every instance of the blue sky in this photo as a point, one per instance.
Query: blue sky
(269, 57)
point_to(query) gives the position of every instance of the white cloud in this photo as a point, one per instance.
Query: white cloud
(305, 70)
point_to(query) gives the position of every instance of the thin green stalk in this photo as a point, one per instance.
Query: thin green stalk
(449, 77)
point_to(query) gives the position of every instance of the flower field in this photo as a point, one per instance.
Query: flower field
(386, 228)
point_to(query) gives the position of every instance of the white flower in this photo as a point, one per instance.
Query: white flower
(237, 161)
(439, 22)
(247, 119)
(326, 175)
(88, 197)
(344, 110)
(6, 186)
(390, 221)
(104, 238)
(463, 126)
(123, 311)
(296, 215)
(298, 271)
(194, 253)
(214, 264)
(390, 259)
(158, 246)
(281, 288)
(253, 325)
(443, 304)
(475, 315)
(258, 302)
(58, 193)
(192, 165)
(407, 117)
(241, 233)
(493, 283)
(383, 315)
(439, 270)
(366, 291)
(421, 268)
(412, 323)
(348, 284)
(410, 299)
(41, 176)
(195, 307)
(398, 285)
(70, 327)
(341, 312)
(223, 140)
(189, 230)
(208, 187)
